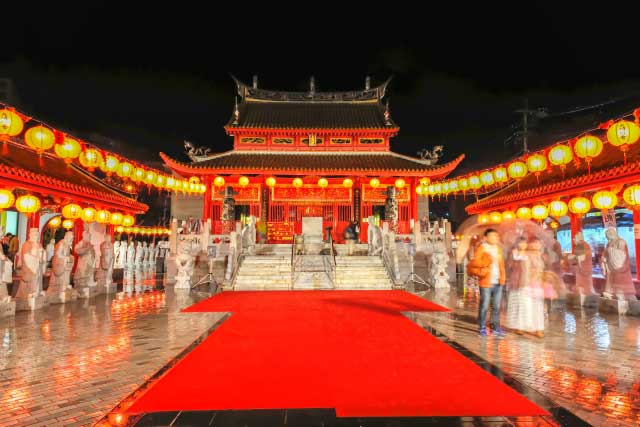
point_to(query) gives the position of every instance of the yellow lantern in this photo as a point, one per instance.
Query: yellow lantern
(438, 188)
(6, 199)
(464, 184)
(558, 208)
(40, 138)
(150, 177)
(495, 217)
(632, 196)
(103, 216)
(483, 219)
(419, 190)
(486, 178)
(116, 218)
(184, 185)
(347, 183)
(161, 181)
(243, 181)
(374, 182)
(400, 183)
(55, 222)
(523, 213)
(138, 174)
(124, 170)
(203, 188)
(297, 182)
(119, 229)
(110, 164)
(623, 133)
(68, 150)
(517, 170)
(605, 200)
(454, 185)
(560, 155)
(128, 220)
(171, 182)
(72, 211)
(11, 124)
(500, 174)
(89, 215)
(271, 181)
(536, 163)
(91, 158)
(67, 224)
(135, 230)
(508, 216)
(218, 181)
(474, 182)
(193, 187)
(588, 147)
(579, 205)
(425, 181)
(28, 204)
(445, 187)
(539, 212)
(431, 189)
(322, 183)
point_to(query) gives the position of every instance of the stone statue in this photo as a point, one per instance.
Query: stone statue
(249, 236)
(7, 305)
(145, 254)
(153, 254)
(185, 265)
(117, 249)
(50, 249)
(60, 290)
(615, 266)
(374, 237)
(582, 257)
(83, 277)
(131, 256)
(30, 295)
(439, 263)
(105, 271)
(391, 209)
(139, 255)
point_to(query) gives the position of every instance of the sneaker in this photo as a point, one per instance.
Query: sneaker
(498, 332)
(483, 332)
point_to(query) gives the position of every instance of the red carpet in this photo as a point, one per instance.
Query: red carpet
(349, 350)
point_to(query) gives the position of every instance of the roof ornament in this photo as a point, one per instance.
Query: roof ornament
(387, 114)
(255, 81)
(367, 83)
(236, 112)
(312, 86)
(431, 157)
(194, 152)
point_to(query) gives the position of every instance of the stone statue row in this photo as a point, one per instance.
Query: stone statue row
(135, 255)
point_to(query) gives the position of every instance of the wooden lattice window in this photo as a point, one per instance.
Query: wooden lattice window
(282, 141)
(370, 141)
(305, 141)
(340, 141)
(252, 140)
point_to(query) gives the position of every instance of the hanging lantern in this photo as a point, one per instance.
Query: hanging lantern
(135, 230)
(103, 216)
(622, 134)
(474, 182)
(445, 188)
(116, 218)
(110, 164)
(68, 150)
(464, 184)
(161, 181)
(271, 182)
(193, 187)
(454, 186)
(605, 200)
(500, 174)
(508, 216)
(347, 183)
(419, 190)
(631, 196)
(587, 148)
(243, 181)
(203, 188)
(495, 217)
(539, 212)
(523, 213)
(438, 188)
(28, 204)
(119, 229)
(124, 170)
(128, 220)
(536, 163)
(218, 181)
(11, 124)
(150, 177)
(171, 182)
(6, 199)
(138, 174)
(91, 158)
(194, 180)
(517, 169)
(72, 211)
(184, 185)
(558, 208)
(431, 189)
(425, 181)
(560, 155)
(40, 138)
(483, 219)
(400, 183)
(88, 215)
(54, 222)
(374, 182)
(486, 178)
(297, 182)
(67, 224)
(579, 205)
(322, 183)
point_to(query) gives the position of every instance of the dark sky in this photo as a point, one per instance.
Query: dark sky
(154, 75)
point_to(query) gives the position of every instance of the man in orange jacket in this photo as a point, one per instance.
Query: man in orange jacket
(488, 266)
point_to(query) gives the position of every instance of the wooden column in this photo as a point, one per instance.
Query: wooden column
(636, 237)
(576, 227)
(206, 210)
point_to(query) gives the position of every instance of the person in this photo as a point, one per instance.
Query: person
(13, 248)
(488, 266)
(356, 230)
(516, 277)
(537, 285)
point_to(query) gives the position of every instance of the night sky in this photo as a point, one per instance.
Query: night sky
(142, 79)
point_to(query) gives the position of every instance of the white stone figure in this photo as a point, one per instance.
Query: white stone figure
(185, 264)
(584, 265)
(60, 290)
(153, 254)
(439, 262)
(249, 236)
(145, 255)
(374, 239)
(117, 250)
(51, 247)
(615, 265)
(131, 256)
(105, 270)
(30, 295)
(83, 278)
(139, 255)
(7, 305)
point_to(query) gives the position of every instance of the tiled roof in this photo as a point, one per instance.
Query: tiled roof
(311, 162)
(20, 164)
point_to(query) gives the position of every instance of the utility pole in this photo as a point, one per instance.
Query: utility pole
(525, 122)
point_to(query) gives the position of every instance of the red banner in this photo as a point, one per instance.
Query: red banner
(311, 193)
(250, 193)
(370, 194)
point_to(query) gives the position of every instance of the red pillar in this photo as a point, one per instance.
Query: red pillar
(206, 210)
(414, 200)
(33, 221)
(576, 227)
(636, 236)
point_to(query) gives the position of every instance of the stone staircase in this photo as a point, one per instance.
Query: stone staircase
(361, 272)
(269, 269)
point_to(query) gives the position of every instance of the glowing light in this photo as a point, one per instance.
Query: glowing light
(374, 182)
(623, 133)
(454, 185)
(55, 222)
(116, 218)
(297, 182)
(438, 188)
(579, 205)
(347, 183)
(536, 163)
(539, 212)
(171, 182)
(508, 216)
(474, 182)
(88, 215)
(495, 217)
(517, 169)
(160, 181)
(124, 170)
(425, 181)
(560, 155)
(68, 150)
(483, 219)
(67, 224)
(150, 177)
(588, 147)
(523, 213)
(72, 211)
(243, 181)
(119, 229)
(11, 124)
(445, 187)
(323, 183)
(90, 158)
(271, 182)
(28, 204)
(631, 196)
(400, 183)
(605, 200)
(6, 199)
(218, 181)
(500, 174)
(419, 190)
(558, 208)
(486, 178)
(40, 138)
(464, 184)
(103, 216)
(138, 174)
(110, 164)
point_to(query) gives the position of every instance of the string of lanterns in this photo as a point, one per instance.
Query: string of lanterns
(43, 138)
(271, 182)
(155, 231)
(621, 134)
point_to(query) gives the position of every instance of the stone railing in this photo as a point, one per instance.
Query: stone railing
(390, 256)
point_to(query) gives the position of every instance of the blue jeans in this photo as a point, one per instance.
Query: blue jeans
(492, 294)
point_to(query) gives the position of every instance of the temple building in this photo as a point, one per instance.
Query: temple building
(309, 154)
